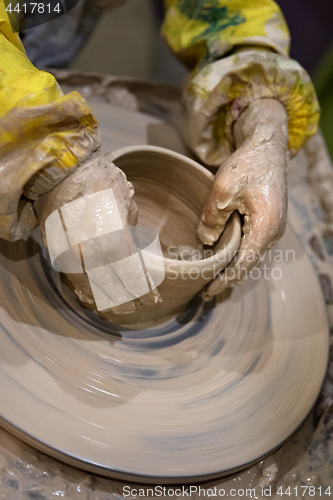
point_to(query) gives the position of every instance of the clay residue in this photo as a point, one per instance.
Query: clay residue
(97, 174)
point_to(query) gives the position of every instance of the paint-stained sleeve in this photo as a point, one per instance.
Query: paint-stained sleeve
(238, 52)
(44, 135)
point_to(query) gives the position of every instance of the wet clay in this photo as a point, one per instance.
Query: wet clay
(252, 181)
(156, 402)
(260, 135)
(97, 174)
(63, 359)
(170, 191)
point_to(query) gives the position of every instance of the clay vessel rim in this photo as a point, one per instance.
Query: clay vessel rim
(114, 155)
(233, 244)
(234, 238)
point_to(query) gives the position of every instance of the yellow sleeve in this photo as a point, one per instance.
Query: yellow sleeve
(44, 135)
(201, 31)
(238, 50)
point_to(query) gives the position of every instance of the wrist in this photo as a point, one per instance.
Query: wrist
(263, 121)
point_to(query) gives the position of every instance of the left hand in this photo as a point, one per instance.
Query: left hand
(253, 182)
(95, 175)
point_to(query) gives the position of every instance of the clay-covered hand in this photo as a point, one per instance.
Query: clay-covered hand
(95, 175)
(253, 182)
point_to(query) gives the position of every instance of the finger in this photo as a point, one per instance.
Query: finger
(219, 207)
(258, 238)
(209, 235)
(233, 274)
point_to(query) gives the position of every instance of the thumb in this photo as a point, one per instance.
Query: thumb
(254, 244)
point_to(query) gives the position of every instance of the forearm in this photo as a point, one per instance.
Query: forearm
(239, 51)
(264, 123)
(215, 97)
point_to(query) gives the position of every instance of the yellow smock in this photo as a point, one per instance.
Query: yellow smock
(237, 51)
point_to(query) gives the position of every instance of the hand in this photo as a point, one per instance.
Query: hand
(94, 175)
(253, 182)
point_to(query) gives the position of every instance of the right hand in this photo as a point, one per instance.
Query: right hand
(253, 182)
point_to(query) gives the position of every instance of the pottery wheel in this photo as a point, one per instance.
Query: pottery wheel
(214, 389)
(207, 393)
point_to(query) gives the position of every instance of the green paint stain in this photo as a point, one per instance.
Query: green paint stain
(218, 17)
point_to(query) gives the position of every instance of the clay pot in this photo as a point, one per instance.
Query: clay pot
(170, 191)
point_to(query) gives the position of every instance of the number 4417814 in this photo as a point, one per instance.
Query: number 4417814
(34, 7)
(302, 491)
